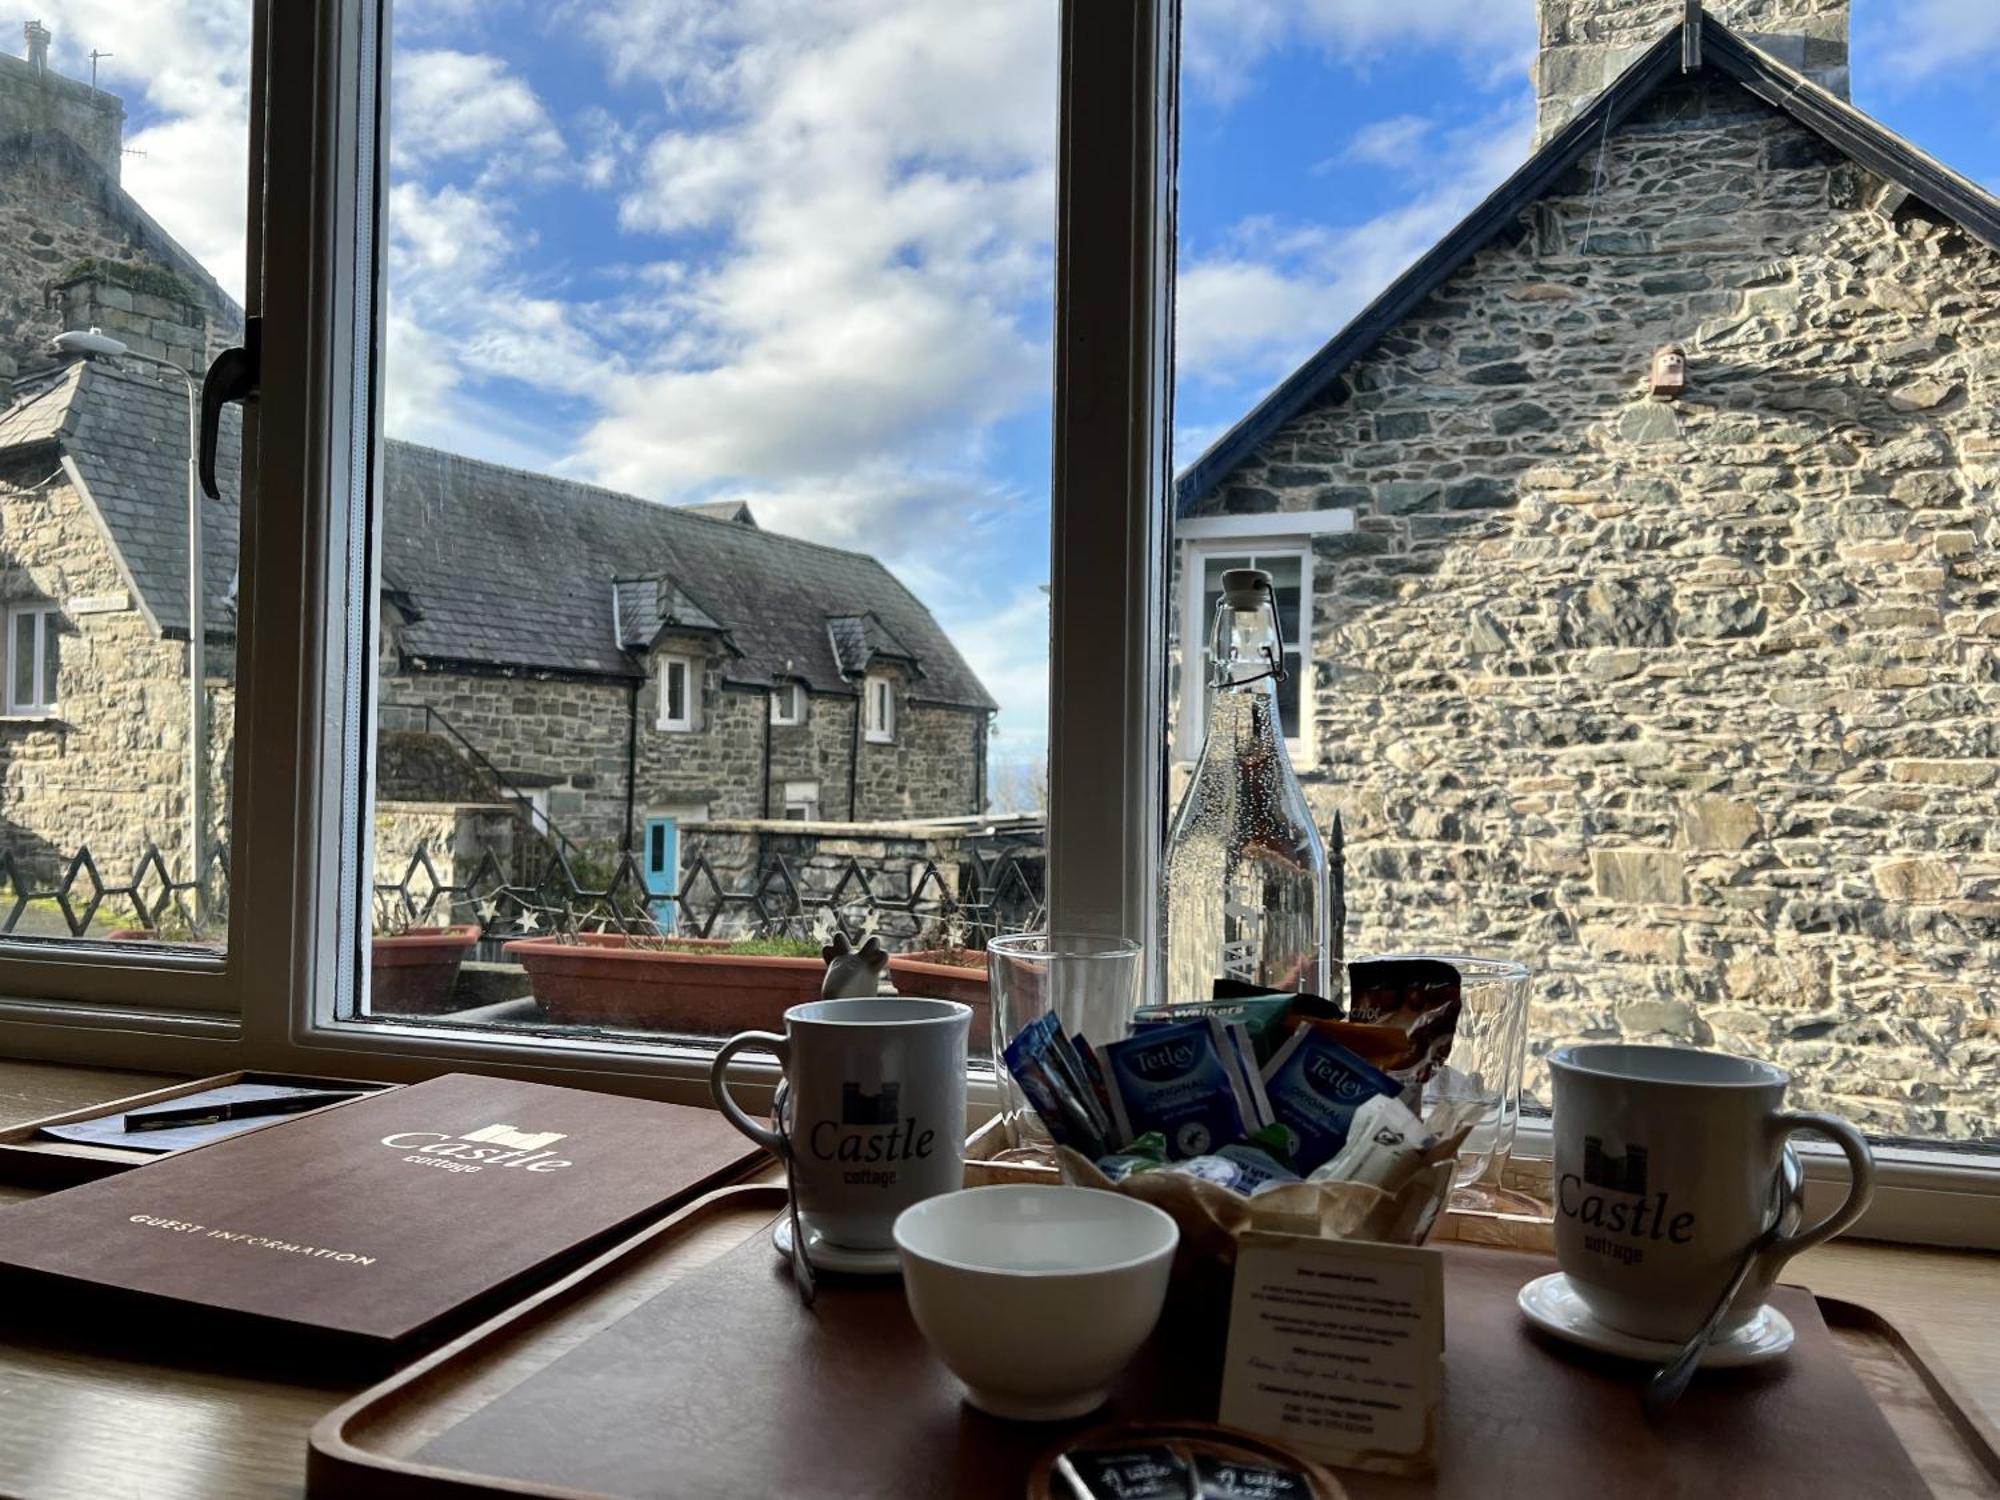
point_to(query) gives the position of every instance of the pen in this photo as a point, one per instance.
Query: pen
(168, 1117)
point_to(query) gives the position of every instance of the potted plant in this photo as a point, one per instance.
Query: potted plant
(413, 970)
(669, 984)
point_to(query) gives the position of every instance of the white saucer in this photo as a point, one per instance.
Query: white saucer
(839, 1258)
(1553, 1306)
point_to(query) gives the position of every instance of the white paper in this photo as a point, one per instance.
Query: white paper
(1336, 1347)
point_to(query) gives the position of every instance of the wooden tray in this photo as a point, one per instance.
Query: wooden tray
(29, 1159)
(681, 1364)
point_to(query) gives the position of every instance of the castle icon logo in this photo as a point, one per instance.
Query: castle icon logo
(859, 1107)
(1615, 1174)
(519, 1140)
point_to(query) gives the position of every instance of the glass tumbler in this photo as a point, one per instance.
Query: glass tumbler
(1481, 1082)
(1091, 983)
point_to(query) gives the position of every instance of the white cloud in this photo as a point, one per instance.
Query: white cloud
(1224, 40)
(1915, 40)
(1273, 292)
(1394, 142)
(450, 105)
(183, 68)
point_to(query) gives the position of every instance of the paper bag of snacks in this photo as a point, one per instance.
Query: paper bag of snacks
(1271, 1112)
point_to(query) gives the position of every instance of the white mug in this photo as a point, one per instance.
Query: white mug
(1664, 1163)
(877, 1109)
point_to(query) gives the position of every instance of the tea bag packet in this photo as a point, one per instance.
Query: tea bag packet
(1242, 1056)
(1143, 1155)
(1154, 1472)
(1041, 1060)
(1241, 1168)
(1315, 1085)
(1179, 1080)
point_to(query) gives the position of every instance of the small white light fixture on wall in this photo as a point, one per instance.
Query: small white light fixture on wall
(1670, 372)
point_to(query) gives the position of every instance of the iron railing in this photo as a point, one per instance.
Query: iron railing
(998, 888)
(155, 903)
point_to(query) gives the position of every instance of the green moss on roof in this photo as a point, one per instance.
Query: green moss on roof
(154, 281)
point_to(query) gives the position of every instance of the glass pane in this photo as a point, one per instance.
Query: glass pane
(23, 657)
(1667, 676)
(721, 330)
(125, 173)
(51, 659)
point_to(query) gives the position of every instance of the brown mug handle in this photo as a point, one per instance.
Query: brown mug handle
(1861, 1162)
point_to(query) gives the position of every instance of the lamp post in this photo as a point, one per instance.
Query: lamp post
(95, 342)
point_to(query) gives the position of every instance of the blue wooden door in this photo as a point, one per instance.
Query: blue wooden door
(663, 869)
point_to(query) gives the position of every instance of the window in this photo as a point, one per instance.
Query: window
(1291, 583)
(33, 657)
(879, 700)
(802, 801)
(472, 344)
(678, 690)
(788, 704)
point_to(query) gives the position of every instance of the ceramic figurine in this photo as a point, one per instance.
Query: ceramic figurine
(855, 973)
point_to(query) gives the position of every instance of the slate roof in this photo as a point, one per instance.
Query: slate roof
(1828, 116)
(858, 640)
(493, 567)
(127, 433)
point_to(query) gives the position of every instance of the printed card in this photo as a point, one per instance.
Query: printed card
(1337, 1348)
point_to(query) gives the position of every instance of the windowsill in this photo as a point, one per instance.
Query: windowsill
(881, 739)
(49, 716)
(675, 728)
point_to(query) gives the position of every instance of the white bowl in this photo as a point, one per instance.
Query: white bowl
(1035, 1297)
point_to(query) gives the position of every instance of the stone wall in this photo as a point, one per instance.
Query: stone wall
(541, 729)
(1586, 44)
(1695, 706)
(110, 767)
(456, 838)
(35, 100)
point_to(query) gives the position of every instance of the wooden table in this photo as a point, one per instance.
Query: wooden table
(89, 1424)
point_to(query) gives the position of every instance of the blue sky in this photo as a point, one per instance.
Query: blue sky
(799, 251)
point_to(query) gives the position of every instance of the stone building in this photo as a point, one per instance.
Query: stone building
(1692, 699)
(613, 668)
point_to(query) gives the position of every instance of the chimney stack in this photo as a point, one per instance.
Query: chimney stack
(38, 46)
(1587, 44)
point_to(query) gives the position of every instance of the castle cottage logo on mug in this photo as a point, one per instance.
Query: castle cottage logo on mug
(1664, 1163)
(877, 1109)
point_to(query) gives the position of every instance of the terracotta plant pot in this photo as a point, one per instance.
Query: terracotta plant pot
(606, 980)
(950, 974)
(415, 973)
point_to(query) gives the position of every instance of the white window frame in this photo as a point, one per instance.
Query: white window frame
(802, 797)
(1195, 558)
(44, 704)
(689, 717)
(297, 928)
(878, 708)
(791, 693)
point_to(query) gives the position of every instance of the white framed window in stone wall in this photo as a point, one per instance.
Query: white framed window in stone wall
(802, 801)
(1289, 561)
(680, 694)
(34, 658)
(788, 704)
(878, 693)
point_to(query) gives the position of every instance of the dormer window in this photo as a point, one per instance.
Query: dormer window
(878, 697)
(788, 703)
(679, 693)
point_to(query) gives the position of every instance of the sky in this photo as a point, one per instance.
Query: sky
(800, 252)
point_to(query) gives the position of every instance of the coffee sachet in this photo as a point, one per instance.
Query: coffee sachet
(1239, 1479)
(1148, 1473)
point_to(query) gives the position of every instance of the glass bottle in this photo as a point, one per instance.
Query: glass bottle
(1245, 871)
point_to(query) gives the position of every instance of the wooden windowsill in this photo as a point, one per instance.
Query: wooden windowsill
(84, 1422)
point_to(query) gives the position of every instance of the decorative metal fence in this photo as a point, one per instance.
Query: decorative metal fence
(996, 885)
(151, 903)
